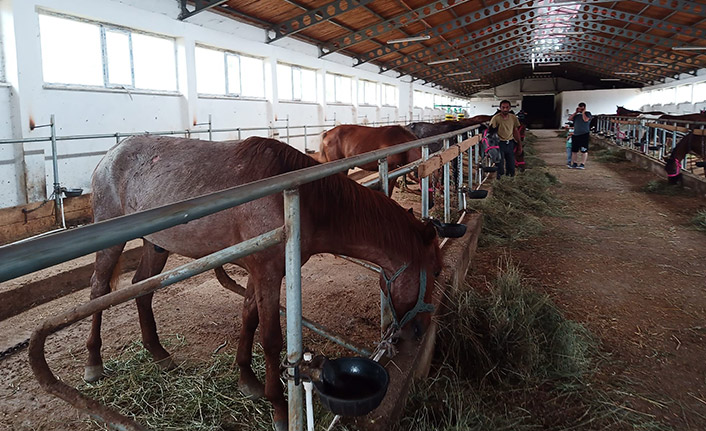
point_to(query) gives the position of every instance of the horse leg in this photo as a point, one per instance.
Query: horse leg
(248, 382)
(151, 263)
(106, 264)
(271, 335)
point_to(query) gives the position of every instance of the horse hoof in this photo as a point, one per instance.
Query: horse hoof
(253, 393)
(166, 364)
(93, 373)
(281, 425)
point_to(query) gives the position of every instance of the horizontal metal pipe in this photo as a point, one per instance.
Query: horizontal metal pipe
(20, 259)
(95, 409)
(362, 263)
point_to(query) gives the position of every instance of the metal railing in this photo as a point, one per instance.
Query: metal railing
(655, 138)
(23, 258)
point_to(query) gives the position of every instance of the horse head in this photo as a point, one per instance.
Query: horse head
(409, 289)
(673, 168)
(491, 146)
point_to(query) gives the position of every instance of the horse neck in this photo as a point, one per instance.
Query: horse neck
(683, 147)
(364, 224)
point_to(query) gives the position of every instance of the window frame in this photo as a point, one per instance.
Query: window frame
(299, 69)
(228, 93)
(336, 78)
(102, 27)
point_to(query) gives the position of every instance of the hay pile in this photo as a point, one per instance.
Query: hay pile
(191, 397)
(511, 213)
(699, 221)
(507, 359)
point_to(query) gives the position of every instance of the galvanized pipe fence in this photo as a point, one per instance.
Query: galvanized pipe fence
(29, 256)
(654, 138)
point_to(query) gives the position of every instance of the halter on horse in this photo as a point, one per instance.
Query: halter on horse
(689, 143)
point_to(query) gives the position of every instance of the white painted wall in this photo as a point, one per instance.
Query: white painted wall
(25, 99)
(598, 101)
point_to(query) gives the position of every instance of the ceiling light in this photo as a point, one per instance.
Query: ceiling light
(689, 48)
(644, 63)
(459, 73)
(610, 79)
(409, 39)
(548, 64)
(542, 73)
(448, 60)
(570, 33)
(471, 80)
(626, 73)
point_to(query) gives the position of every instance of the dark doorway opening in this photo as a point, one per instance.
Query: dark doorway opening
(540, 112)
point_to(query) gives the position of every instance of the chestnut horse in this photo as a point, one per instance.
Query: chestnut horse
(699, 117)
(337, 216)
(350, 140)
(690, 143)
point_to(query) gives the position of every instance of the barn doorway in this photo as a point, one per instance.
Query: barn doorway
(540, 112)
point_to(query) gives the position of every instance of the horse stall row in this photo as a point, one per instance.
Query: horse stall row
(664, 145)
(240, 217)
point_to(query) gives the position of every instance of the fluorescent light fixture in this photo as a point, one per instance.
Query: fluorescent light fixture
(610, 79)
(689, 48)
(409, 39)
(448, 60)
(645, 63)
(625, 73)
(570, 33)
(471, 80)
(542, 73)
(548, 64)
(459, 73)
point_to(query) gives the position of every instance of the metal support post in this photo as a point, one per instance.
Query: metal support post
(293, 264)
(287, 126)
(425, 185)
(58, 200)
(459, 176)
(210, 128)
(306, 141)
(447, 188)
(382, 170)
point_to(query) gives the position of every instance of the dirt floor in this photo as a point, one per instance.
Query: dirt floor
(623, 262)
(627, 265)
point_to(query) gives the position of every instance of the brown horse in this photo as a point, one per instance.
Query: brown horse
(337, 216)
(699, 117)
(690, 143)
(350, 140)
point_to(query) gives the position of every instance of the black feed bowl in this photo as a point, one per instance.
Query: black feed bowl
(449, 230)
(701, 164)
(654, 147)
(477, 194)
(352, 386)
(489, 168)
(72, 193)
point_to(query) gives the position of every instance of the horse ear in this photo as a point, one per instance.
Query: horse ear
(410, 211)
(429, 232)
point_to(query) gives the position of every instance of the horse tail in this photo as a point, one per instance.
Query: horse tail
(115, 276)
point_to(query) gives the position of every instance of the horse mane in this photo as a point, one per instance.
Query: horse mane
(330, 199)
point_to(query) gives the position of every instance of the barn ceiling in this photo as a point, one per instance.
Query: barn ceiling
(466, 46)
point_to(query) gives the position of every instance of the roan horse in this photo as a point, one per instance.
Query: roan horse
(350, 140)
(690, 143)
(337, 216)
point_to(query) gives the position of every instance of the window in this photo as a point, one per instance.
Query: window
(78, 52)
(367, 92)
(389, 95)
(683, 94)
(339, 88)
(423, 99)
(227, 73)
(699, 92)
(296, 83)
